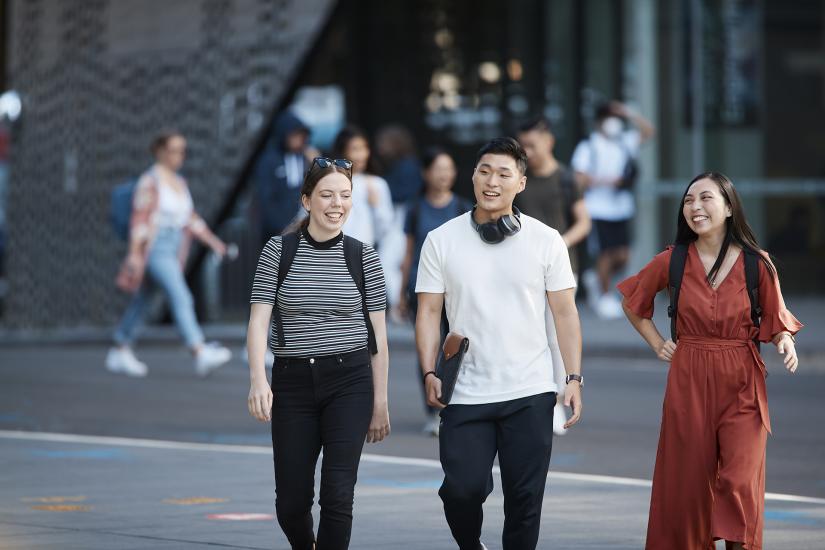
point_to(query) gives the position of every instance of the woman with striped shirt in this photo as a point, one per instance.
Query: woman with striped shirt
(329, 380)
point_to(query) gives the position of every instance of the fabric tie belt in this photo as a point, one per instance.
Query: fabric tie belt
(761, 387)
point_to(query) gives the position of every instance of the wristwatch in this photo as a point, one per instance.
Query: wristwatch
(577, 377)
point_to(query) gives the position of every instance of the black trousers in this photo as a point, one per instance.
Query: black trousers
(521, 432)
(319, 403)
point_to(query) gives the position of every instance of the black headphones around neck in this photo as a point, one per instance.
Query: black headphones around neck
(496, 231)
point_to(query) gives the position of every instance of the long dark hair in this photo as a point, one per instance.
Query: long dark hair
(311, 179)
(737, 229)
(344, 137)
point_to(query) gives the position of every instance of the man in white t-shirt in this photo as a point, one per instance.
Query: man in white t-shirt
(495, 271)
(602, 161)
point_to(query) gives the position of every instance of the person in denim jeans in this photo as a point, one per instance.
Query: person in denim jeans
(162, 223)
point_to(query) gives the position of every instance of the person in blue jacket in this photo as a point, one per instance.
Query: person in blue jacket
(279, 174)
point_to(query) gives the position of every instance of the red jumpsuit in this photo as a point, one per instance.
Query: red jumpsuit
(709, 479)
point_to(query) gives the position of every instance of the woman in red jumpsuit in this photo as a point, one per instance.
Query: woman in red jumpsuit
(709, 479)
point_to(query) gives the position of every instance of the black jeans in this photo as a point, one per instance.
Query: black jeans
(324, 405)
(521, 432)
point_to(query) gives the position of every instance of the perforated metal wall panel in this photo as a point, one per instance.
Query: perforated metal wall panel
(98, 79)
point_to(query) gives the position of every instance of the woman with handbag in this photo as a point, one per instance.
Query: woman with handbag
(322, 296)
(163, 221)
(709, 479)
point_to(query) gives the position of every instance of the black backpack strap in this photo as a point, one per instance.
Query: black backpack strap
(289, 246)
(676, 269)
(752, 283)
(354, 256)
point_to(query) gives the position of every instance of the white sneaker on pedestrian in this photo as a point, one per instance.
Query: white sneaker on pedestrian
(211, 356)
(559, 418)
(609, 307)
(590, 280)
(122, 360)
(432, 426)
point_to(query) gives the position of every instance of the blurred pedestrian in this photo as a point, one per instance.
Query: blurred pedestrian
(606, 161)
(494, 270)
(434, 207)
(329, 381)
(709, 479)
(553, 196)
(162, 223)
(396, 148)
(279, 173)
(372, 210)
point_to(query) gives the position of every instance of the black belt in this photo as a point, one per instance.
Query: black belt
(348, 359)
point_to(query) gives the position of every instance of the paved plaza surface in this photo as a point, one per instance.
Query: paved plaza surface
(172, 461)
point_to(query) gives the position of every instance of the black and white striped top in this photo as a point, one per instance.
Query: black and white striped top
(319, 303)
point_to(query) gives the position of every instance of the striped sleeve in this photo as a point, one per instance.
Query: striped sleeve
(266, 276)
(374, 280)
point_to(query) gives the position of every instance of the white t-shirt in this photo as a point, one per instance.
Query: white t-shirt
(174, 207)
(366, 223)
(605, 202)
(495, 295)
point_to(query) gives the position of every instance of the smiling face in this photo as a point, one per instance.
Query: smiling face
(496, 182)
(705, 209)
(329, 203)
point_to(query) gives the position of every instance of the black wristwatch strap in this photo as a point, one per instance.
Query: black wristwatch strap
(577, 377)
(426, 374)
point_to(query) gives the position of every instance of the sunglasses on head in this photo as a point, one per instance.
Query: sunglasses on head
(324, 162)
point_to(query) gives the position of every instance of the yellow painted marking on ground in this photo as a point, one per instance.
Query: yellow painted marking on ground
(194, 500)
(62, 508)
(78, 498)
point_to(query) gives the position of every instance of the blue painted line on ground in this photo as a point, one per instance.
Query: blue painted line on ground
(791, 517)
(90, 454)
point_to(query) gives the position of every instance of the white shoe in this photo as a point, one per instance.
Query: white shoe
(559, 418)
(609, 307)
(210, 357)
(590, 280)
(122, 360)
(432, 426)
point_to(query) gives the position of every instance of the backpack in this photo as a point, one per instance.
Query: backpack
(630, 171)
(354, 257)
(120, 209)
(676, 269)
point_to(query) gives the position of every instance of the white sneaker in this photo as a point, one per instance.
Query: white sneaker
(432, 426)
(559, 418)
(609, 307)
(590, 280)
(122, 360)
(211, 356)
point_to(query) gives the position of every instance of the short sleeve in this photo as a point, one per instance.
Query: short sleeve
(374, 285)
(558, 275)
(581, 158)
(640, 290)
(266, 275)
(775, 316)
(430, 274)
